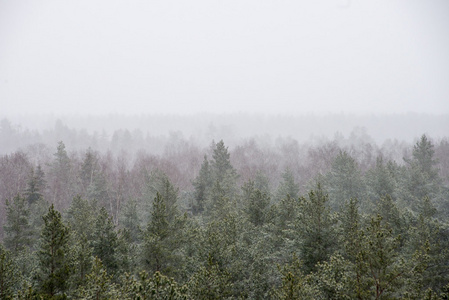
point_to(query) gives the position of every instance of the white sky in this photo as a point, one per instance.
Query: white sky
(178, 56)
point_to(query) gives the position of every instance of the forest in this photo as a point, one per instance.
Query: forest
(129, 216)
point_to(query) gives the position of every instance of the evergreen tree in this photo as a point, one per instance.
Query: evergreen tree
(202, 186)
(384, 270)
(423, 154)
(222, 170)
(8, 274)
(35, 186)
(131, 221)
(98, 284)
(81, 253)
(422, 175)
(344, 181)
(256, 205)
(81, 216)
(380, 180)
(17, 227)
(60, 177)
(221, 163)
(152, 287)
(210, 282)
(157, 251)
(295, 285)
(350, 221)
(316, 229)
(54, 267)
(288, 186)
(89, 168)
(104, 242)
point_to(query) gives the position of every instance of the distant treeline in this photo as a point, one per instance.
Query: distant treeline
(151, 132)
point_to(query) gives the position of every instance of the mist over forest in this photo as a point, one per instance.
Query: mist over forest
(230, 206)
(224, 149)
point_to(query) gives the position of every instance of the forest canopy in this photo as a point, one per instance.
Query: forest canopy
(340, 218)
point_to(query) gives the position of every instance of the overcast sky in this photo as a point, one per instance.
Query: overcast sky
(178, 56)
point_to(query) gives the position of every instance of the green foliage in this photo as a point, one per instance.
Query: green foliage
(381, 180)
(202, 186)
(288, 186)
(81, 216)
(61, 177)
(390, 243)
(210, 282)
(104, 241)
(344, 181)
(295, 285)
(316, 229)
(35, 185)
(98, 284)
(54, 267)
(161, 238)
(423, 155)
(256, 204)
(153, 287)
(17, 227)
(81, 254)
(335, 278)
(8, 274)
(131, 221)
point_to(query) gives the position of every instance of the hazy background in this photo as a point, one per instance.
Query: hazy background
(178, 57)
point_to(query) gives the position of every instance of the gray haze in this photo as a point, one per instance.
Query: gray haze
(177, 57)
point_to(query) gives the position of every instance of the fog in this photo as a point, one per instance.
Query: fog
(188, 57)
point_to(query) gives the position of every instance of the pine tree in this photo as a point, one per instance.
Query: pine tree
(131, 221)
(8, 274)
(295, 284)
(288, 186)
(17, 227)
(35, 186)
(210, 282)
(156, 250)
(88, 168)
(380, 180)
(98, 284)
(316, 229)
(221, 163)
(60, 177)
(104, 242)
(202, 185)
(423, 154)
(344, 181)
(256, 204)
(222, 169)
(81, 253)
(54, 267)
(422, 174)
(82, 215)
(152, 287)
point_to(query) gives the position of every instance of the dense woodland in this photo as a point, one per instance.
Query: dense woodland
(340, 218)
